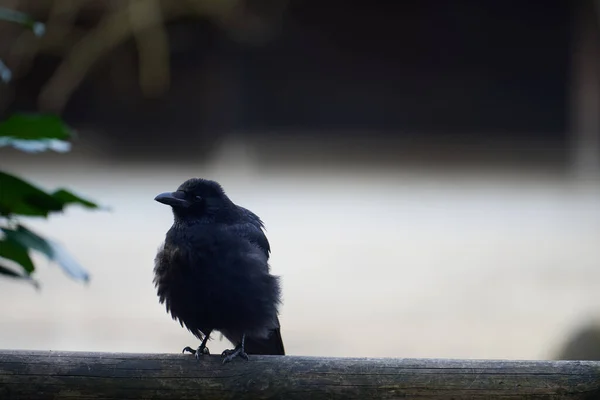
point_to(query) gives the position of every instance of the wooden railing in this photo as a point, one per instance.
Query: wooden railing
(73, 375)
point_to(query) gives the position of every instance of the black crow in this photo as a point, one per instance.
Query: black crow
(212, 272)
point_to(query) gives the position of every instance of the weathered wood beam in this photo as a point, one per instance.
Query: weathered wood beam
(69, 375)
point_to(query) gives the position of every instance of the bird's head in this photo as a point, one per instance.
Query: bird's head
(197, 199)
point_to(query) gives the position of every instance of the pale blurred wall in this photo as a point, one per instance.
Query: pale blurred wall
(375, 262)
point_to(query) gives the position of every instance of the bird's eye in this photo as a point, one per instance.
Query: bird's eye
(198, 198)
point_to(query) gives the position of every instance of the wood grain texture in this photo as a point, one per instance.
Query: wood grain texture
(78, 375)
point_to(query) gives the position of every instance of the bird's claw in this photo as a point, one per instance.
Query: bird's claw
(229, 355)
(198, 352)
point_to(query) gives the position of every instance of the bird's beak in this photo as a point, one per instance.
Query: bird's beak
(173, 199)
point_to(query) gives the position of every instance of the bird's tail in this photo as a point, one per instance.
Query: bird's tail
(272, 346)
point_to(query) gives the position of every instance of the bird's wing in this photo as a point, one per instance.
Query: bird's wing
(254, 235)
(252, 230)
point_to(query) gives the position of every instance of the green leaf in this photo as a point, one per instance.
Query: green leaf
(33, 133)
(52, 250)
(68, 264)
(35, 127)
(67, 197)
(36, 146)
(29, 240)
(13, 274)
(20, 197)
(8, 271)
(12, 250)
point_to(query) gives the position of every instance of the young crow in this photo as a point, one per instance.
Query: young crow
(212, 272)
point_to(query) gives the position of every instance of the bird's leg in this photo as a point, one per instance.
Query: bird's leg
(202, 349)
(239, 351)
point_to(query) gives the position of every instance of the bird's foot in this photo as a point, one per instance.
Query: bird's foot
(229, 355)
(202, 350)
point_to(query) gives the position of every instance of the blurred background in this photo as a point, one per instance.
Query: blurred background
(428, 172)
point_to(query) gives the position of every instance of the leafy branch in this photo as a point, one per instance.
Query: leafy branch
(18, 198)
